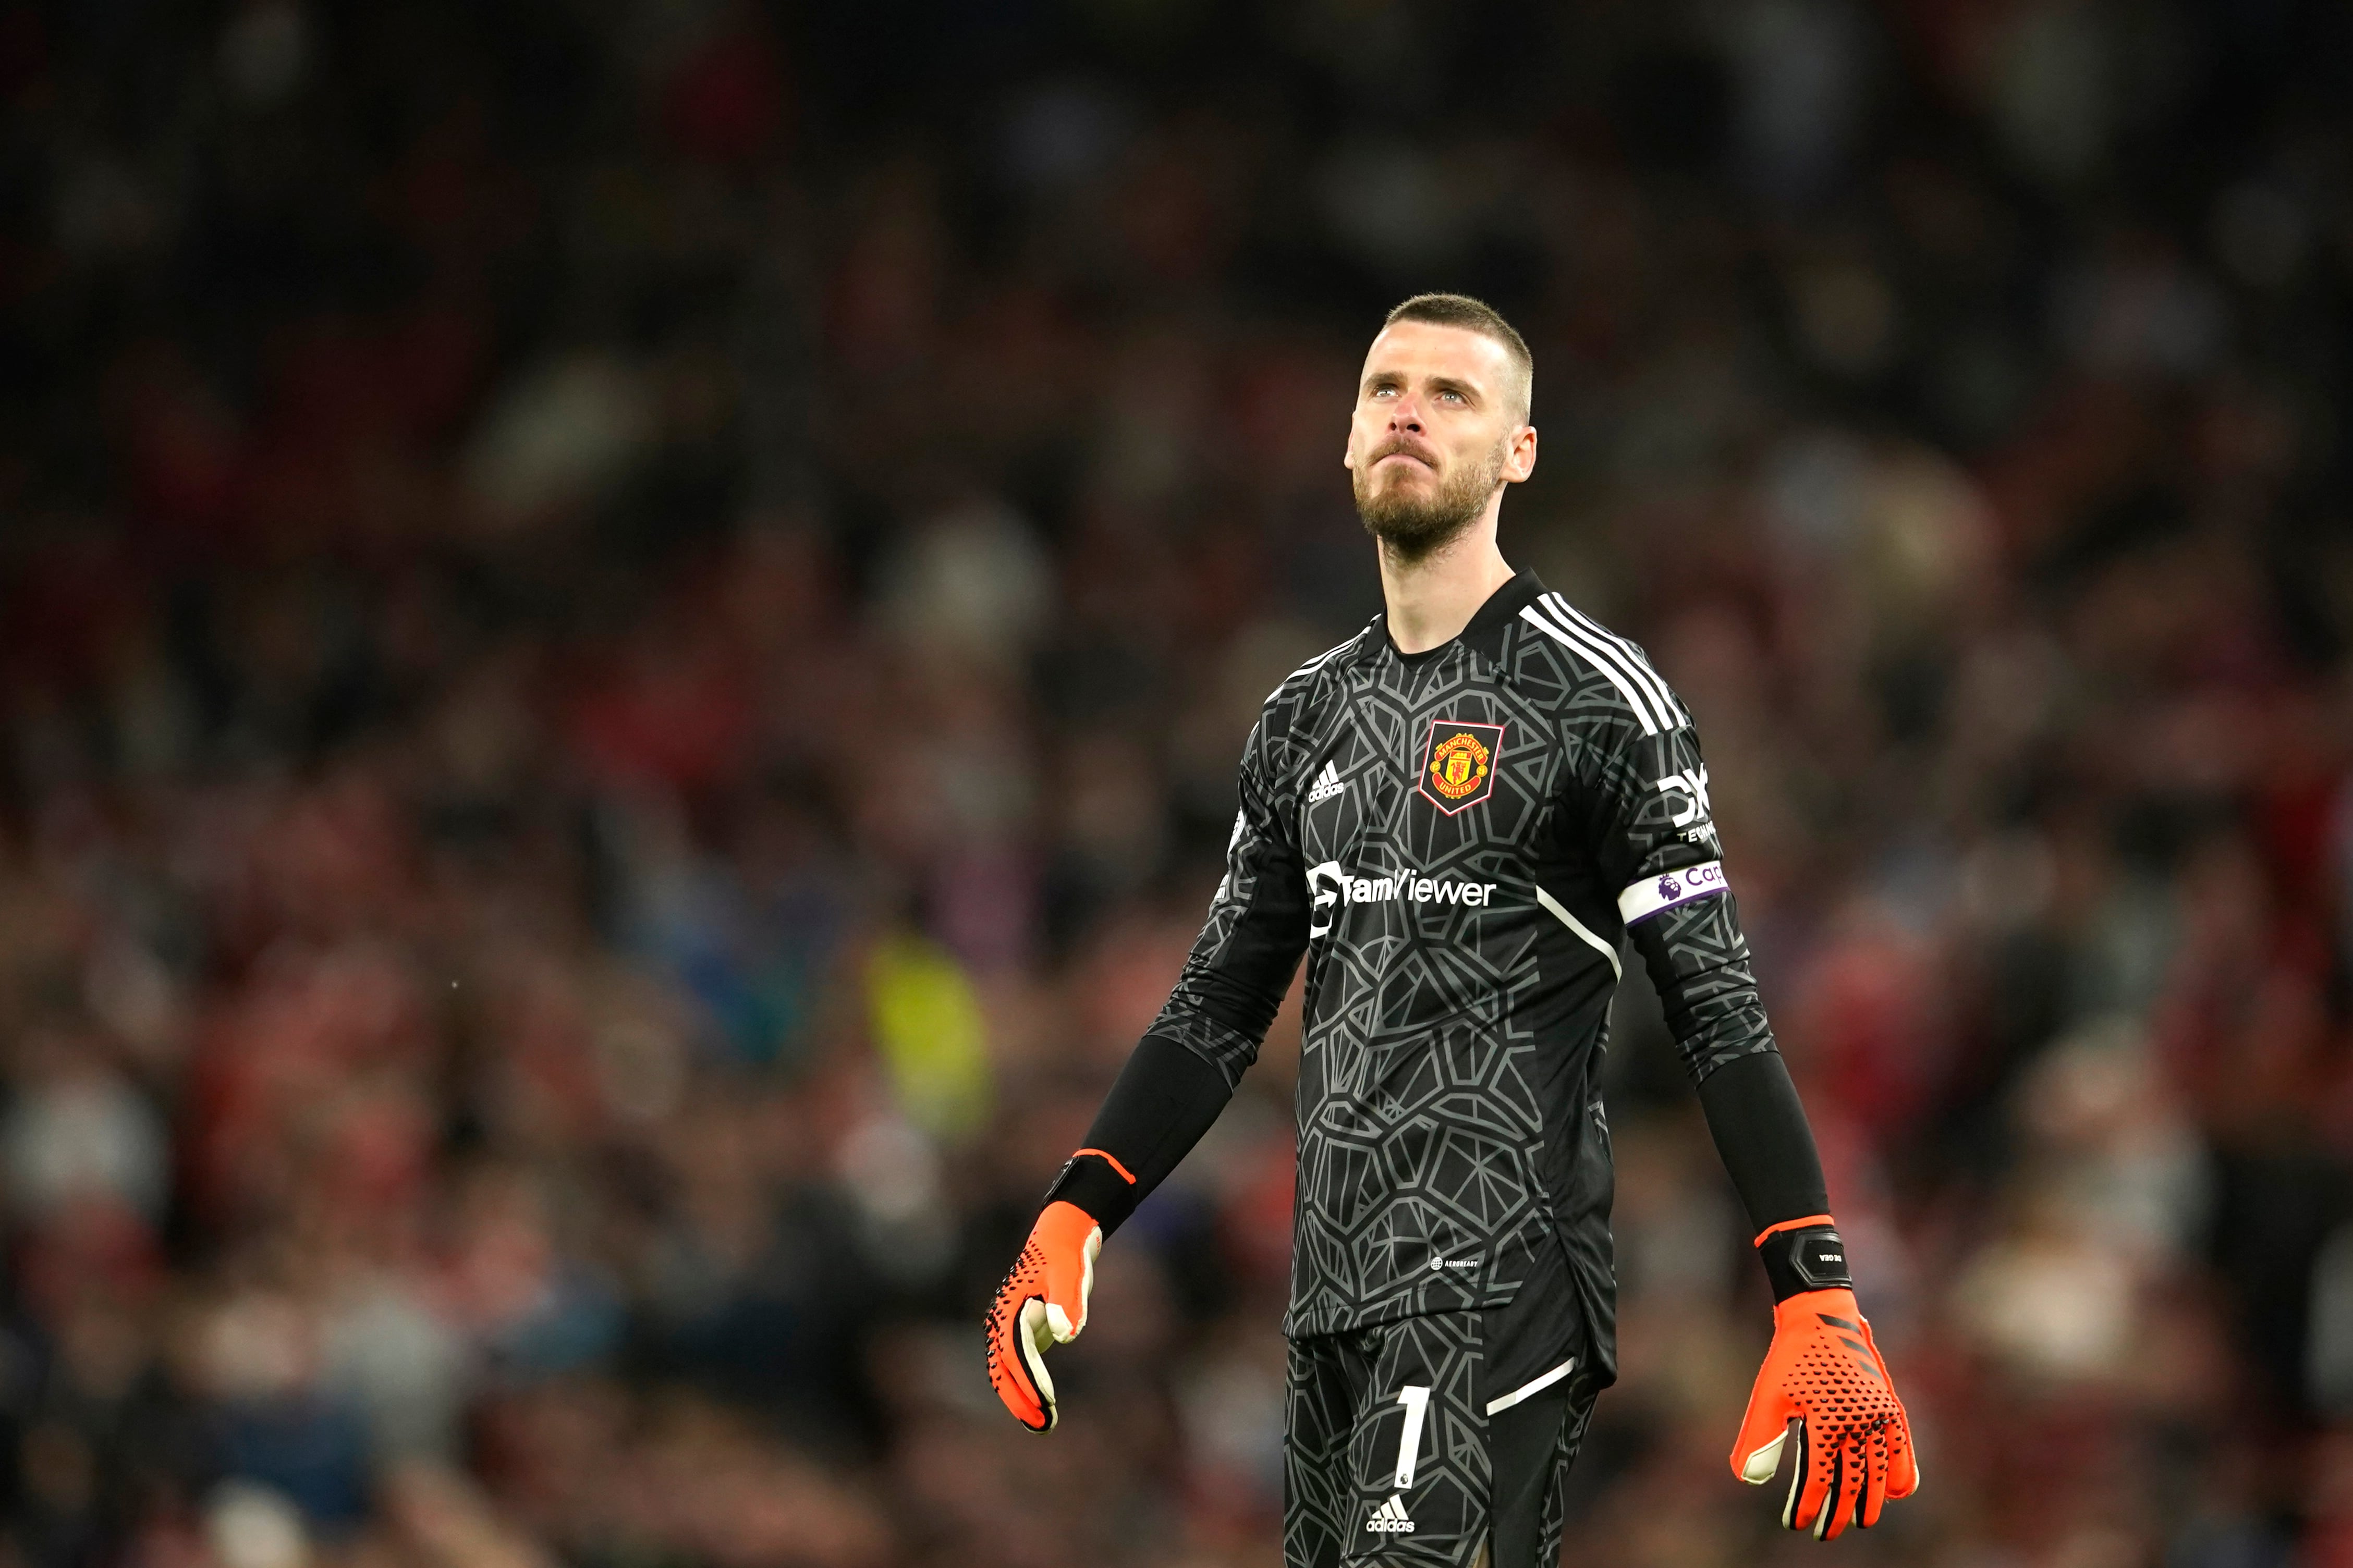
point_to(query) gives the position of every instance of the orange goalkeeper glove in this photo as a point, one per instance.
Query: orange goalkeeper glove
(1824, 1372)
(1042, 1301)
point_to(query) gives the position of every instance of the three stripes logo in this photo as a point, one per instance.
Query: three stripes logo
(1327, 783)
(1620, 662)
(1390, 1518)
(1845, 1332)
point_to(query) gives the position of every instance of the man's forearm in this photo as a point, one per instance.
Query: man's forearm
(1762, 1134)
(1164, 1099)
(1699, 963)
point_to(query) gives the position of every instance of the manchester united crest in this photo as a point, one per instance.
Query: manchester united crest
(1458, 765)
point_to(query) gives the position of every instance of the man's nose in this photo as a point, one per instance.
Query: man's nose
(1405, 413)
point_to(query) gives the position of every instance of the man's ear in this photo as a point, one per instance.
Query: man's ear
(1520, 454)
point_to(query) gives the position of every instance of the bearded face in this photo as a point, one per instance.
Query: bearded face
(1415, 513)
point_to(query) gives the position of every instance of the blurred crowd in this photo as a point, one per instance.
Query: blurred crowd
(624, 628)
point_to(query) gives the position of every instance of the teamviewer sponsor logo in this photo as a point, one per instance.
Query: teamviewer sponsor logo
(1329, 886)
(1390, 1518)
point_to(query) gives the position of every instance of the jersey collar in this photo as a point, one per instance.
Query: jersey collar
(1485, 634)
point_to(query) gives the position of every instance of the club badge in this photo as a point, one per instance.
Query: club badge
(1458, 766)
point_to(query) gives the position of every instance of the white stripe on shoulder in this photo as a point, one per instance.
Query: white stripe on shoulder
(1313, 665)
(1599, 658)
(1643, 670)
(1319, 660)
(1624, 659)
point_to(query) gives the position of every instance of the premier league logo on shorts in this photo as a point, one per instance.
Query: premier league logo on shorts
(1459, 763)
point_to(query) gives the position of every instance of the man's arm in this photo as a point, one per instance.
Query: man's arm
(1178, 1078)
(1698, 960)
(1654, 837)
(1655, 840)
(1185, 1068)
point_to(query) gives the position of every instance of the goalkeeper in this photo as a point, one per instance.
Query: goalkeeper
(1464, 817)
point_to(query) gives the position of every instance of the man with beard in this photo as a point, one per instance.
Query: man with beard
(1463, 817)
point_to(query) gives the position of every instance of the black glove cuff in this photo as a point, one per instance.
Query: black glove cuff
(1090, 1180)
(1811, 1257)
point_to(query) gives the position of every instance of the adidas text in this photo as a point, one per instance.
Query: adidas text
(1389, 1518)
(1327, 783)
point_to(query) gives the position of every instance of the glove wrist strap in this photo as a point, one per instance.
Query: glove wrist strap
(1096, 1181)
(1804, 1254)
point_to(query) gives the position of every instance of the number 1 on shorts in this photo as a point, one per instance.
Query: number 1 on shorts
(1415, 1397)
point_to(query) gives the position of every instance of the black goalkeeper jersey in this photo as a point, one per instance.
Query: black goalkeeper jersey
(1461, 841)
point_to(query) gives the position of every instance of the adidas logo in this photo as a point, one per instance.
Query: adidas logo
(1390, 1518)
(1327, 783)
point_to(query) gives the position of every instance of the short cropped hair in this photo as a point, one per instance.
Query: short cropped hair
(1475, 316)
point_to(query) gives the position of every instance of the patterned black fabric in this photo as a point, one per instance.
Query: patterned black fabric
(1353, 1495)
(1350, 1403)
(1447, 837)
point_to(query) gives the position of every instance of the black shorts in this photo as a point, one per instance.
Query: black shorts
(1399, 1448)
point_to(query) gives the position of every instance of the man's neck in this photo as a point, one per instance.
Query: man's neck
(1431, 599)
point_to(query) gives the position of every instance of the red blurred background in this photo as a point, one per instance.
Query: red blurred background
(623, 629)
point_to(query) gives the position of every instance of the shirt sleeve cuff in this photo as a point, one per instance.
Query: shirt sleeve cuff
(1665, 891)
